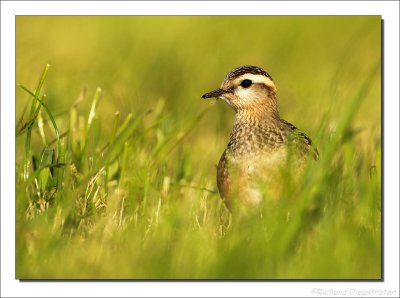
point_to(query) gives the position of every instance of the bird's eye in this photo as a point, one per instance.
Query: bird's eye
(246, 83)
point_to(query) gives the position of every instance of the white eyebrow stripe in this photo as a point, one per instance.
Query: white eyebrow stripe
(256, 79)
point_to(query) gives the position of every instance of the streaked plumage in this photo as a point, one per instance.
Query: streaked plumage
(259, 141)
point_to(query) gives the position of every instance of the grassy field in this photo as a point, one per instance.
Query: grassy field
(116, 151)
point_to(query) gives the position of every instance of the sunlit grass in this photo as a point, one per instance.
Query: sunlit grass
(119, 181)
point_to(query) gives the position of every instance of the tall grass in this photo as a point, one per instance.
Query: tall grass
(120, 182)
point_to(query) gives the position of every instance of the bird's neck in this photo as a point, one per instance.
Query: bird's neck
(251, 125)
(257, 116)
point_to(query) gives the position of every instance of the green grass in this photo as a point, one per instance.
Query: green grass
(116, 152)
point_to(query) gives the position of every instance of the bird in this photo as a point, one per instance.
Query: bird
(261, 143)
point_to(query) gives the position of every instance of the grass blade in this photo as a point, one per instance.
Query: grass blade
(45, 162)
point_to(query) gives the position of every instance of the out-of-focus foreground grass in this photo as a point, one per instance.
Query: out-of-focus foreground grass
(128, 189)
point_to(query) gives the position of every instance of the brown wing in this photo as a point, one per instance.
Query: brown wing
(224, 180)
(305, 141)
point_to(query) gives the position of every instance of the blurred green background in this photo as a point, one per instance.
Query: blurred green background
(165, 63)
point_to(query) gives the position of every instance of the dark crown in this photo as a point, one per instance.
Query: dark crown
(241, 70)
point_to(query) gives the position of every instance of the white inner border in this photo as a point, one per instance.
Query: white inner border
(389, 10)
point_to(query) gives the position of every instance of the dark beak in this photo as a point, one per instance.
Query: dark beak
(214, 94)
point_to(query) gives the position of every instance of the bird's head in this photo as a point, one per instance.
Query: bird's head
(248, 88)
